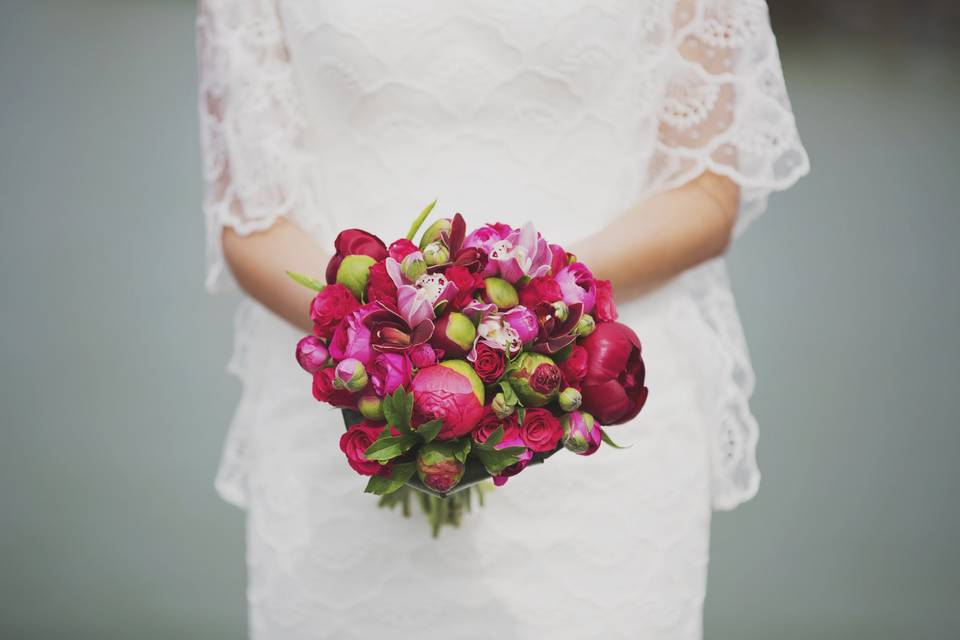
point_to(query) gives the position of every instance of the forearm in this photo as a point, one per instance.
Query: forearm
(259, 263)
(663, 235)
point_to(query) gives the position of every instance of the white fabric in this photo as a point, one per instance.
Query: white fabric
(354, 114)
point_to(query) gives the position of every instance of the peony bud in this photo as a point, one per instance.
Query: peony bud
(413, 266)
(560, 311)
(422, 356)
(436, 253)
(581, 433)
(454, 333)
(524, 322)
(535, 378)
(351, 375)
(354, 273)
(371, 407)
(586, 326)
(500, 407)
(432, 234)
(570, 399)
(501, 293)
(312, 354)
(438, 466)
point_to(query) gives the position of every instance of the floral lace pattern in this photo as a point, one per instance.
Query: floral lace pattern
(339, 113)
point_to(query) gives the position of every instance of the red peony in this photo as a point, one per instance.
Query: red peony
(467, 283)
(401, 249)
(490, 363)
(541, 431)
(574, 368)
(355, 441)
(381, 286)
(542, 289)
(353, 242)
(613, 389)
(329, 307)
(546, 379)
(606, 309)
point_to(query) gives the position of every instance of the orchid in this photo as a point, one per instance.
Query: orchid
(522, 254)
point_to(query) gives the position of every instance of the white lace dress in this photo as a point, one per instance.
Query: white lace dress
(342, 113)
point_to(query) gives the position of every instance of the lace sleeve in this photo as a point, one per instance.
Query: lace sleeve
(725, 107)
(255, 159)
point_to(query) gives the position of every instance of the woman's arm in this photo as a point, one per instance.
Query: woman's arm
(664, 235)
(259, 263)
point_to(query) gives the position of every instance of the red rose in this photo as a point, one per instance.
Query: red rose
(467, 283)
(381, 287)
(542, 289)
(324, 391)
(355, 441)
(606, 309)
(490, 363)
(574, 368)
(490, 423)
(354, 242)
(541, 431)
(545, 378)
(401, 249)
(329, 307)
(613, 389)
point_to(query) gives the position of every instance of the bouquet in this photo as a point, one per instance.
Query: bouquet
(465, 357)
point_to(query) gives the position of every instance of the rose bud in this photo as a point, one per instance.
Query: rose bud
(351, 375)
(311, 354)
(422, 356)
(535, 378)
(432, 234)
(436, 253)
(524, 322)
(501, 408)
(569, 399)
(586, 326)
(452, 392)
(370, 407)
(454, 333)
(355, 441)
(389, 372)
(354, 273)
(501, 293)
(413, 266)
(581, 433)
(613, 389)
(438, 466)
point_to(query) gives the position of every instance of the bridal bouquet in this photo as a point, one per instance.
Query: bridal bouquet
(464, 357)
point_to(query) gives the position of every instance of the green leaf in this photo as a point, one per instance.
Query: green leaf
(306, 281)
(399, 474)
(419, 220)
(464, 450)
(388, 447)
(606, 438)
(398, 410)
(509, 395)
(429, 430)
(496, 460)
(521, 415)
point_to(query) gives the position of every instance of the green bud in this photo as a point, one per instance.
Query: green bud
(371, 408)
(432, 234)
(436, 253)
(586, 326)
(350, 375)
(413, 266)
(501, 293)
(535, 379)
(354, 272)
(500, 407)
(560, 310)
(454, 333)
(438, 466)
(569, 399)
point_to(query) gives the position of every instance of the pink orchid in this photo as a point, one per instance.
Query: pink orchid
(523, 253)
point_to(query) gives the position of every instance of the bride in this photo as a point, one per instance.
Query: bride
(645, 134)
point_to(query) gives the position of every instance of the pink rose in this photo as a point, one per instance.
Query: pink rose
(329, 307)
(352, 337)
(541, 431)
(389, 372)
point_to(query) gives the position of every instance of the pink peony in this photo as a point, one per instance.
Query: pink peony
(389, 372)
(452, 392)
(577, 285)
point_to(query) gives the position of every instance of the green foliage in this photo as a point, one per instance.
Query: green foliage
(429, 430)
(387, 447)
(398, 410)
(306, 281)
(419, 220)
(399, 474)
(606, 438)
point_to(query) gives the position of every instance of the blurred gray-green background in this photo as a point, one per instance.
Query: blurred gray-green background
(114, 403)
